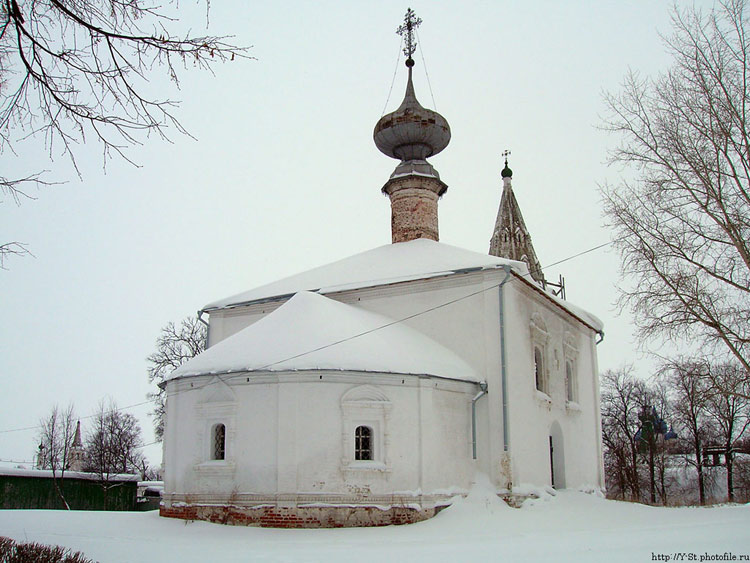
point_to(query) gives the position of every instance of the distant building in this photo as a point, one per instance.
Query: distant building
(370, 390)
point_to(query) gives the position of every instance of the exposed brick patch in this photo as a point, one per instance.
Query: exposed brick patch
(301, 517)
(184, 512)
(414, 207)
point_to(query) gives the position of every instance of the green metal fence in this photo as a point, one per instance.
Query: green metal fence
(81, 493)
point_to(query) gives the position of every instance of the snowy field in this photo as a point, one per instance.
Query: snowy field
(572, 526)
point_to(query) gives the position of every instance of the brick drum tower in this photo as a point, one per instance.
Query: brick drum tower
(412, 134)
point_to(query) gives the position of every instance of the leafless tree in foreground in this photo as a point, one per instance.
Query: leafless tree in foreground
(76, 71)
(56, 432)
(113, 445)
(175, 346)
(683, 225)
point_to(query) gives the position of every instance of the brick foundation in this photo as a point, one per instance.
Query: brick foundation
(300, 517)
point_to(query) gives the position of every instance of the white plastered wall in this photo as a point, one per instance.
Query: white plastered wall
(534, 416)
(470, 326)
(286, 435)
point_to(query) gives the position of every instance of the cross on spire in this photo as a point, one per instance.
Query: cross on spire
(506, 153)
(407, 31)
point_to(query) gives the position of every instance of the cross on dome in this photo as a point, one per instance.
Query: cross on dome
(408, 28)
(506, 172)
(412, 132)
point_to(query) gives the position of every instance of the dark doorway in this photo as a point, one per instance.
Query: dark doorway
(556, 456)
(552, 461)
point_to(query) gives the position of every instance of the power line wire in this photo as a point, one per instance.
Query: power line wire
(424, 64)
(393, 80)
(576, 255)
(118, 409)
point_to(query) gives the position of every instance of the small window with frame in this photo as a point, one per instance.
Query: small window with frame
(363, 441)
(540, 374)
(539, 341)
(570, 348)
(571, 384)
(218, 442)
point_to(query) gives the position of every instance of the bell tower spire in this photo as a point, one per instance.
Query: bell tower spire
(76, 453)
(411, 134)
(511, 238)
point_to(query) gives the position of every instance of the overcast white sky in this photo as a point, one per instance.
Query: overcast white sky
(284, 176)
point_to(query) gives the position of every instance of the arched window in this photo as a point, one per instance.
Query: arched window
(570, 381)
(570, 348)
(539, 339)
(218, 442)
(363, 443)
(539, 370)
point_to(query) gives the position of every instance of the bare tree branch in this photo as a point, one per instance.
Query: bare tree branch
(174, 347)
(683, 227)
(77, 70)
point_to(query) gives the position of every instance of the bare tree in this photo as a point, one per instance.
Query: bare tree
(113, 445)
(683, 225)
(175, 346)
(56, 432)
(690, 408)
(622, 400)
(657, 444)
(636, 437)
(730, 412)
(71, 72)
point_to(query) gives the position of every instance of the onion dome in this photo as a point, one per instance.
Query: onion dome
(412, 132)
(506, 172)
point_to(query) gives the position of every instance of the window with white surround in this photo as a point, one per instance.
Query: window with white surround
(539, 372)
(365, 431)
(539, 339)
(570, 350)
(569, 381)
(218, 441)
(214, 444)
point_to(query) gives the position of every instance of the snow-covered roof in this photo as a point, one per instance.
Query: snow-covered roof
(391, 263)
(311, 332)
(47, 473)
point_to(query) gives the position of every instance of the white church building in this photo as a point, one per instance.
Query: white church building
(372, 390)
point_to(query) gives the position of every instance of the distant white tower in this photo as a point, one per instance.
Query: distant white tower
(75, 456)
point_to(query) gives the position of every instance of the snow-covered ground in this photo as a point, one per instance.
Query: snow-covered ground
(571, 526)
